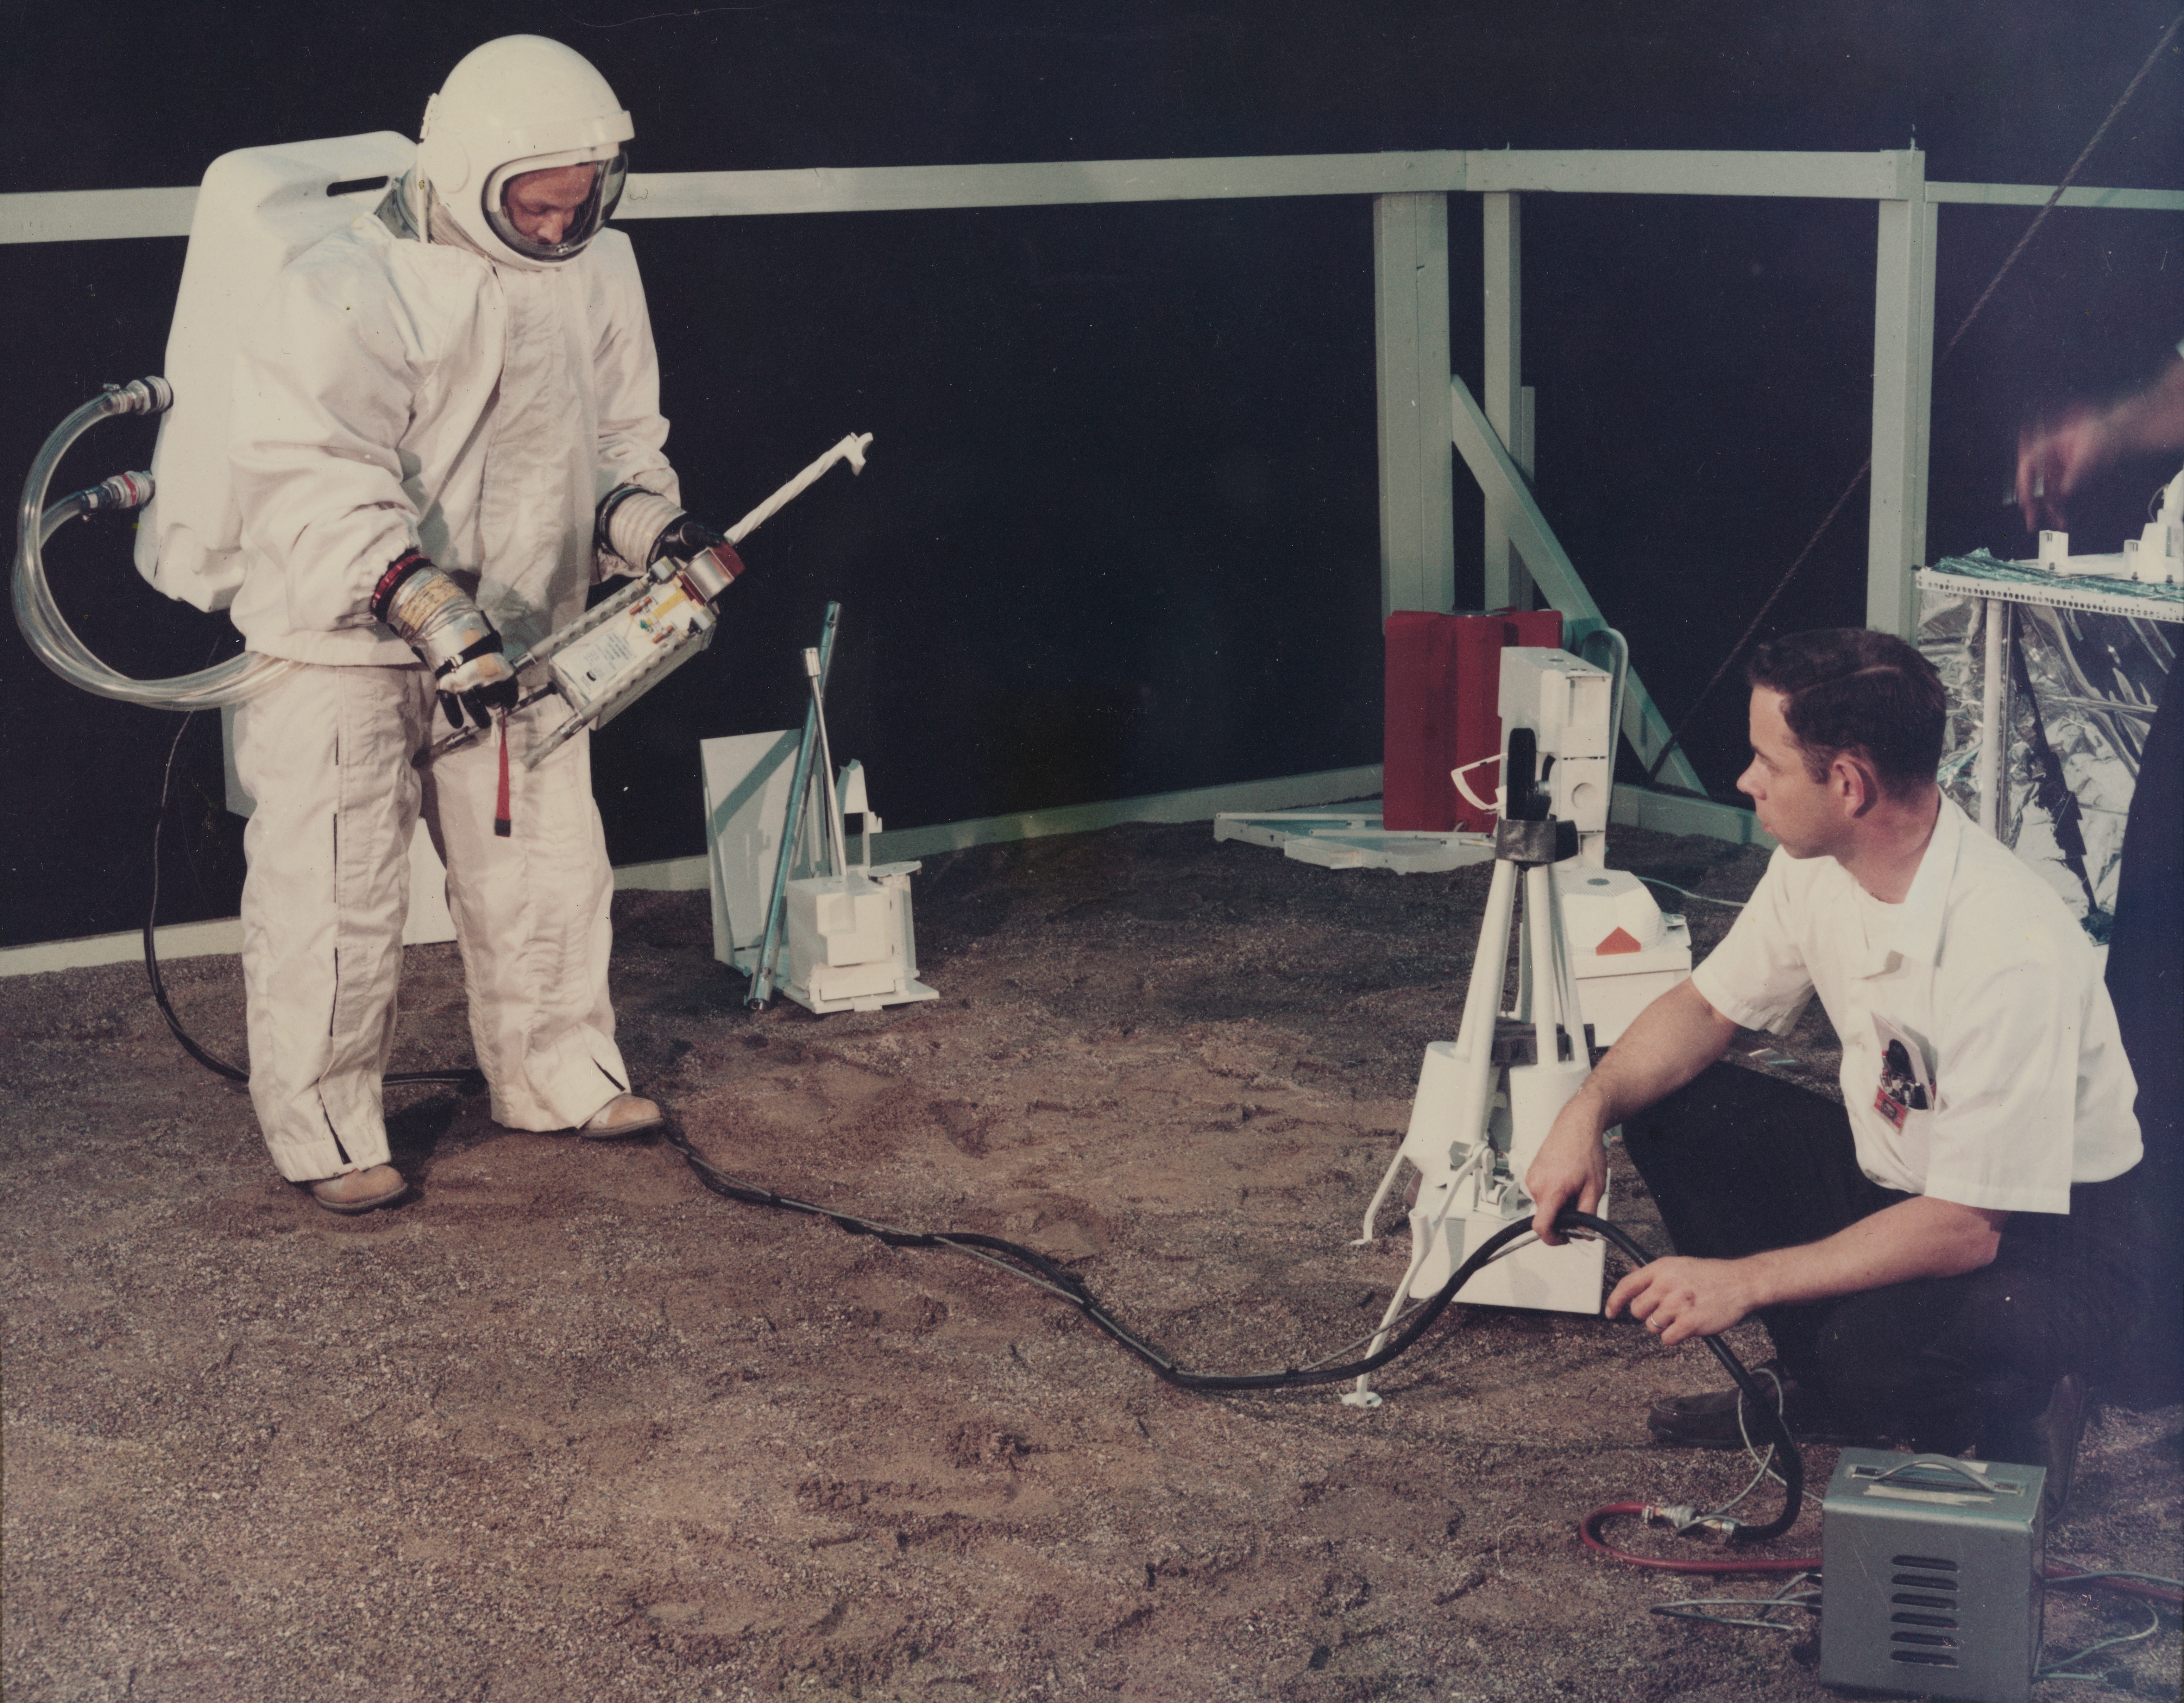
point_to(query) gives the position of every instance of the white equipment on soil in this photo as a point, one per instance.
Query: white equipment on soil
(851, 943)
(1486, 1099)
(1625, 953)
(1570, 706)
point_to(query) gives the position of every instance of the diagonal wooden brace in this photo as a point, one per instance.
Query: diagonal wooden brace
(1512, 505)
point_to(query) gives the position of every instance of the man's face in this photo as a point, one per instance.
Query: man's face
(1799, 811)
(541, 204)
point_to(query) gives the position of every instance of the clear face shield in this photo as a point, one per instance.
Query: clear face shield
(582, 221)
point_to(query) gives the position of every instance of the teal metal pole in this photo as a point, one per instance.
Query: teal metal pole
(799, 789)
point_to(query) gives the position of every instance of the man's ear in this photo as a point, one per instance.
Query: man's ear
(1855, 783)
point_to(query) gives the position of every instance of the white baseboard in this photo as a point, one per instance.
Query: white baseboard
(687, 874)
(222, 935)
(1633, 807)
(1679, 812)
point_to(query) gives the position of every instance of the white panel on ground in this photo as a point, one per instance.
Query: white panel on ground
(428, 922)
(746, 778)
(1352, 838)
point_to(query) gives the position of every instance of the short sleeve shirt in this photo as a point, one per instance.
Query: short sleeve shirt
(1981, 1059)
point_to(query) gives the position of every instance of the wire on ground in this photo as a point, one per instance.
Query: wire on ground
(1702, 898)
(1036, 1268)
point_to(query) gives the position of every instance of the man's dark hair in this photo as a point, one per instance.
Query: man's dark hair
(1850, 689)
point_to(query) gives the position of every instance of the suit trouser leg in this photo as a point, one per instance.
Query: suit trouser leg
(532, 911)
(326, 755)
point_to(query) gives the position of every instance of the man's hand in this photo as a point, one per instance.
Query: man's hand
(1679, 1298)
(1670, 1042)
(685, 538)
(483, 685)
(2056, 457)
(1570, 1169)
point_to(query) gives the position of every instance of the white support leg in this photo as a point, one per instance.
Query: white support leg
(1902, 403)
(1508, 585)
(1417, 522)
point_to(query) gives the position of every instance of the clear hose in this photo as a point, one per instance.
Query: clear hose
(45, 629)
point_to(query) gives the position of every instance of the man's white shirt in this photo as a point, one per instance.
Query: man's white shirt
(2017, 1085)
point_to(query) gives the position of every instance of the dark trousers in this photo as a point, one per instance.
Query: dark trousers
(2146, 977)
(1740, 1163)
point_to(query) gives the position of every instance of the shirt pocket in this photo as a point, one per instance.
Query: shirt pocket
(1915, 1145)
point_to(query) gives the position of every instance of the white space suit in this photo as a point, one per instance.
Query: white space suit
(456, 397)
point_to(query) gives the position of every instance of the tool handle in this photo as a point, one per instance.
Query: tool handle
(850, 449)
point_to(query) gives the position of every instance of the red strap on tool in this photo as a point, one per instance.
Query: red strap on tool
(501, 824)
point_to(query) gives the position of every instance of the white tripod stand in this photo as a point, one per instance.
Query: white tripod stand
(1486, 1100)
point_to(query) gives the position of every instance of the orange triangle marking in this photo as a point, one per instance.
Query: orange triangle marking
(1620, 941)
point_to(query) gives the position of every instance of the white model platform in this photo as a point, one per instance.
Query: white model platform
(1352, 838)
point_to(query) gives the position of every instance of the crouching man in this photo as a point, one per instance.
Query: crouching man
(1947, 1270)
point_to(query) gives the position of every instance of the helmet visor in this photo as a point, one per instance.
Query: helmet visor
(577, 226)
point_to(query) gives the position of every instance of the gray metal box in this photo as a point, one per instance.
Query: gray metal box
(1931, 1584)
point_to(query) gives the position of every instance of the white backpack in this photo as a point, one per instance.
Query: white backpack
(257, 209)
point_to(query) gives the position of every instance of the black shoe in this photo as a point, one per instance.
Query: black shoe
(2055, 1435)
(1711, 1420)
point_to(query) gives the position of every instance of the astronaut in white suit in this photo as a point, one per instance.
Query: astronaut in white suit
(445, 426)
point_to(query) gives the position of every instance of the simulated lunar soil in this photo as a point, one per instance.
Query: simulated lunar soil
(566, 1426)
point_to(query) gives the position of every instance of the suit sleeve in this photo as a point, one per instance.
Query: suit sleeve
(323, 392)
(626, 366)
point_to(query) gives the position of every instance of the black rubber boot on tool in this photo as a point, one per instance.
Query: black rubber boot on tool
(1710, 1420)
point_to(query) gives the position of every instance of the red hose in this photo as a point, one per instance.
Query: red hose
(1589, 1529)
(2164, 1595)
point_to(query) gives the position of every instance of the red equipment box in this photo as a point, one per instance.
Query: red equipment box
(1443, 685)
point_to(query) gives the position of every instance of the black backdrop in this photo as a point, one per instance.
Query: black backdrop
(1119, 531)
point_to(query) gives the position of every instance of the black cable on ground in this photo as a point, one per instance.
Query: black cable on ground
(469, 1081)
(1736, 650)
(218, 1067)
(1037, 1268)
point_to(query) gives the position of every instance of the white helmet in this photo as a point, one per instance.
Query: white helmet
(521, 103)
